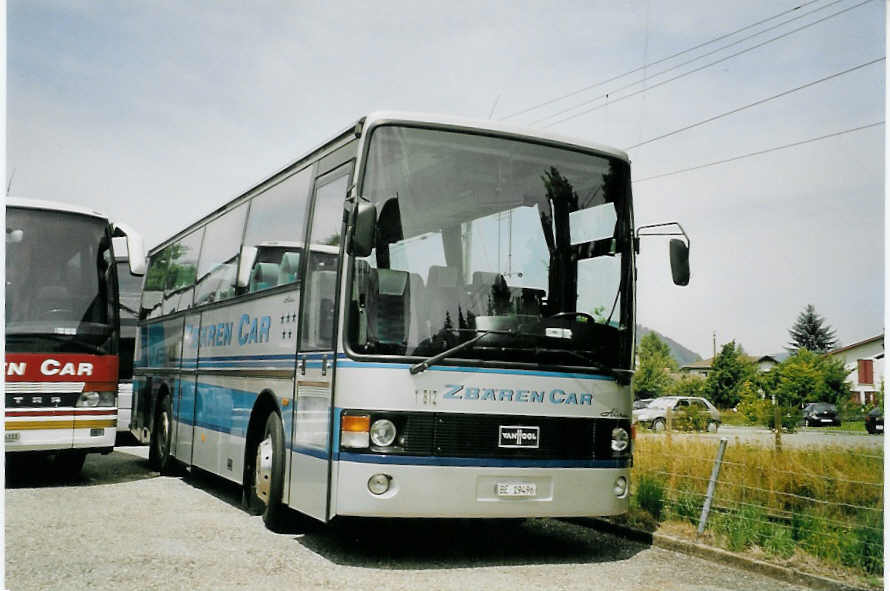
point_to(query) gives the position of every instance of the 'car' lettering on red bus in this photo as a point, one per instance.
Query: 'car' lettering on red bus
(52, 367)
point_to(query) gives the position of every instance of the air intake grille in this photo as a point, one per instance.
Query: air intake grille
(477, 436)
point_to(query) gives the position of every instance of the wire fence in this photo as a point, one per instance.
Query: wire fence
(825, 501)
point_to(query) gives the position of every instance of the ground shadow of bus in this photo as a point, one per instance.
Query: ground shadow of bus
(456, 543)
(420, 544)
(36, 471)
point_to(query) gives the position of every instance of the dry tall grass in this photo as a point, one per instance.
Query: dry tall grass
(825, 501)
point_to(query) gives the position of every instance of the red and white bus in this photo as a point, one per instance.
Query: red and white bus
(62, 330)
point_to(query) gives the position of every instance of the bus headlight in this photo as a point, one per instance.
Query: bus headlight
(383, 433)
(90, 399)
(620, 439)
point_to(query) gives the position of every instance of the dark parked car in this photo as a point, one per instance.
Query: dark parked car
(817, 414)
(874, 420)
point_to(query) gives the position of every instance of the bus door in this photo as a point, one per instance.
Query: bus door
(316, 351)
(184, 403)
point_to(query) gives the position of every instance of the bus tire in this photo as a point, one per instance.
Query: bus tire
(69, 464)
(159, 457)
(267, 476)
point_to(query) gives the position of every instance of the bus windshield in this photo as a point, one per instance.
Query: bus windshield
(59, 295)
(526, 242)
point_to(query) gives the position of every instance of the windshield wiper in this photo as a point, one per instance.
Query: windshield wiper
(613, 371)
(419, 367)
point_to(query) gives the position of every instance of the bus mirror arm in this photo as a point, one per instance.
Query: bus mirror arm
(679, 249)
(364, 229)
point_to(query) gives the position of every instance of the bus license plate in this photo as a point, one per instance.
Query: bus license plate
(12, 437)
(516, 489)
(97, 432)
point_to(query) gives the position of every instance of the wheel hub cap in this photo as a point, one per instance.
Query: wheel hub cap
(263, 476)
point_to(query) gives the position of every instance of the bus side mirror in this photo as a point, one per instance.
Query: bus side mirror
(245, 265)
(136, 254)
(679, 261)
(365, 230)
(135, 247)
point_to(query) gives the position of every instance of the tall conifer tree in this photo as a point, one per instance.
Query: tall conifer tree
(810, 332)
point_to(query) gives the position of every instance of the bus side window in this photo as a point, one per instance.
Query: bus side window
(275, 227)
(155, 279)
(182, 272)
(218, 266)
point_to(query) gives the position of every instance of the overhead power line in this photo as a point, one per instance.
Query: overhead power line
(647, 78)
(664, 59)
(700, 68)
(758, 153)
(755, 103)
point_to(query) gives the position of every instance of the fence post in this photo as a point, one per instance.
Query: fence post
(712, 486)
(778, 423)
(668, 426)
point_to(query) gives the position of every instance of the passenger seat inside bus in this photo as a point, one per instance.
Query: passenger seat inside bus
(388, 299)
(264, 276)
(290, 268)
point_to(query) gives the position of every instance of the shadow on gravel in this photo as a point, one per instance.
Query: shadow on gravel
(417, 544)
(37, 471)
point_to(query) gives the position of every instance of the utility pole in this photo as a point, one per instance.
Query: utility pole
(714, 340)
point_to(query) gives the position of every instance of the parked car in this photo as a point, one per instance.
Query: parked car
(642, 403)
(874, 420)
(686, 412)
(817, 414)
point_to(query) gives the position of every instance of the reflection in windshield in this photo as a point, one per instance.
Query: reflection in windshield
(483, 233)
(57, 280)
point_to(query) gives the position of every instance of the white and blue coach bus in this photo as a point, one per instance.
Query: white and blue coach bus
(456, 340)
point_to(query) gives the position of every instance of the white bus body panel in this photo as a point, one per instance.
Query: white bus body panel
(465, 487)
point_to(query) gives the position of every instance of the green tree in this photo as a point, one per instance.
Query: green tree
(687, 385)
(653, 376)
(810, 332)
(730, 369)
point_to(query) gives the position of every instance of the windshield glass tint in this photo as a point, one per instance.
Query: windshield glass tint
(57, 282)
(480, 233)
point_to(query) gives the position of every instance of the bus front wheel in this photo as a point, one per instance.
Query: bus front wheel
(267, 474)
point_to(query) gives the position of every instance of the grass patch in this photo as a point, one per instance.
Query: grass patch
(819, 504)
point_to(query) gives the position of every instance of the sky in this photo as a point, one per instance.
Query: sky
(158, 112)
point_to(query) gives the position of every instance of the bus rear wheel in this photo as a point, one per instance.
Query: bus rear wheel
(266, 476)
(159, 446)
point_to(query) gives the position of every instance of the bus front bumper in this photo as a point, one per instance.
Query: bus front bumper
(477, 491)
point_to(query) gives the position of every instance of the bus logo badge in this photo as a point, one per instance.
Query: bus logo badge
(516, 436)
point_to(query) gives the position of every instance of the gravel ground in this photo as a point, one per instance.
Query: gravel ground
(122, 526)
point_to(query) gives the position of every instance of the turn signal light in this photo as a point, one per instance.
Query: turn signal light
(354, 431)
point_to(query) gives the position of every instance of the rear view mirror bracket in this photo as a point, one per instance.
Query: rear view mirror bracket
(679, 249)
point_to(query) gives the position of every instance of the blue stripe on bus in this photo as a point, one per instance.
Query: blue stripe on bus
(479, 462)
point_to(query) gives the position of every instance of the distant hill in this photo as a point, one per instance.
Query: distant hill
(681, 354)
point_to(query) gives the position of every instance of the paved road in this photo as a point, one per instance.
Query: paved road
(808, 437)
(124, 527)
